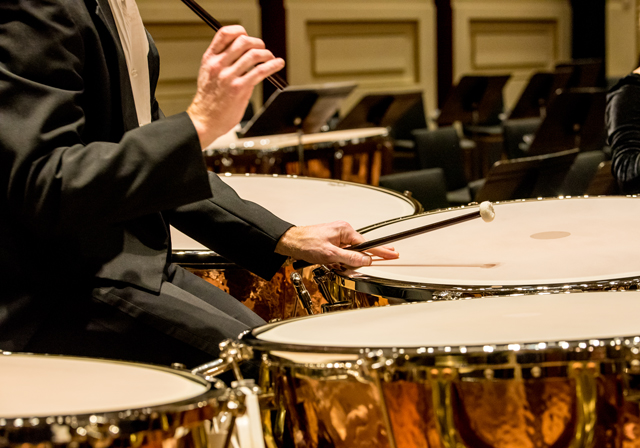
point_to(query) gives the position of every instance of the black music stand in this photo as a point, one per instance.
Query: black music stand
(380, 110)
(475, 100)
(574, 119)
(304, 109)
(539, 90)
(585, 73)
(527, 177)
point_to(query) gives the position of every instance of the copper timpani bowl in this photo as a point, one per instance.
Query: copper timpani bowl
(301, 201)
(49, 401)
(551, 370)
(550, 245)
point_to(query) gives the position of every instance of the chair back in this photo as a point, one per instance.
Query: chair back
(581, 173)
(440, 148)
(426, 186)
(603, 182)
(527, 177)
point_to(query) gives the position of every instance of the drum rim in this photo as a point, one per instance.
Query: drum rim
(210, 394)
(417, 207)
(465, 353)
(236, 148)
(194, 258)
(420, 291)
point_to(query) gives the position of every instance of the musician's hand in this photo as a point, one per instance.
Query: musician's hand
(323, 243)
(231, 67)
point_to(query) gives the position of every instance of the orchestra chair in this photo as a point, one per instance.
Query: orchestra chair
(527, 177)
(426, 186)
(603, 182)
(440, 148)
(581, 173)
(518, 135)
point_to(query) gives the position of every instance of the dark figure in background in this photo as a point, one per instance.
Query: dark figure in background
(623, 128)
(92, 175)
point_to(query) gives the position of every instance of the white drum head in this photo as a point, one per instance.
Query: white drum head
(488, 321)
(41, 386)
(306, 201)
(542, 242)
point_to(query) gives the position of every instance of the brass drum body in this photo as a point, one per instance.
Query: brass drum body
(356, 155)
(301, 201)
(541, 371)
(49, 401)
(538, 245)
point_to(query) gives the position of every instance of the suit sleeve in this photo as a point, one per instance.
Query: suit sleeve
(623, 128)
(57, 179)
(239, 230)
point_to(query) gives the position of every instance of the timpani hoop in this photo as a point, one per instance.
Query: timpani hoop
(545, 370)
(266, 154)
(550, 245)
(63, 400)
(271, 143)
(303, 201)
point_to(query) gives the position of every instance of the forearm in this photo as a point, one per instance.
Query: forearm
(240, 230)
(623, 129)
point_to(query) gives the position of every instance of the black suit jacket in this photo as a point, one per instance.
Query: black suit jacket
(87, 195)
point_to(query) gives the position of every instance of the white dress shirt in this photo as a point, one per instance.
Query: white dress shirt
(136, 49)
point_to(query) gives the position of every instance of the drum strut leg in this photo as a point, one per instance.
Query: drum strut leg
(375, 374)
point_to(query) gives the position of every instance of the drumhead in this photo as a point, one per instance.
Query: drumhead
(536, 242)
(489, 321)
(41, 386)
(305, 201)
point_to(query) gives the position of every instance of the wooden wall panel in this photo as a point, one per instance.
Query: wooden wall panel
(382, 45)
(182, 38)
(622, 36)
(515, 37)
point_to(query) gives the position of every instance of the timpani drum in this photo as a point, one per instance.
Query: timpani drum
(48, 401)
(352, 154)
(550, 245)
(301, 201)
(554, 370)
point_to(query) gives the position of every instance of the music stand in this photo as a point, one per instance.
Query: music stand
(539, 90)
(475, 100)
(526, 177)
(585, 72)
(575, 119)
(304, 109)
(379, 110)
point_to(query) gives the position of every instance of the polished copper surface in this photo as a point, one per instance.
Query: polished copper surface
(434, 407)
(360, 160)
(273, 299)
(342, 413)
(412, 415)
(512, 413)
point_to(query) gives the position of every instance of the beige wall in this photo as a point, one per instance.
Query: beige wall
(182, 38)
(622, 36)
(390, 44)
(382, 45)
(516, 37)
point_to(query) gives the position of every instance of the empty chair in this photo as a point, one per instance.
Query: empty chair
(552, 171)
(426, 186)
(581, 173)
(527, 177)
(518, 135)
(603, 182)
(440, 148)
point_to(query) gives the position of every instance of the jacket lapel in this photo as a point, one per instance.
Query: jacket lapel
(130, 118)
